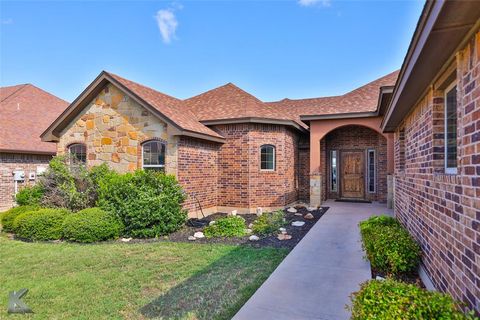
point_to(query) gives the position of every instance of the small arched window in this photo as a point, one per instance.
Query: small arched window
(78, 153)
(267, 157)
(153, 155)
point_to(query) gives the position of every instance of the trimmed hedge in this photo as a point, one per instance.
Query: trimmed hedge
(389, 247)
(231, 226)
(390, 299)
(268, 223)
(9, 216)
(91, 225)
(43, 224)
(30, 195)
(148, 203)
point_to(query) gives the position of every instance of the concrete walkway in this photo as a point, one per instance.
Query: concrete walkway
(316, 279)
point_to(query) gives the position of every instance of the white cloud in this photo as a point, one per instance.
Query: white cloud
(309, 3)
(7, 21)
(167, 24)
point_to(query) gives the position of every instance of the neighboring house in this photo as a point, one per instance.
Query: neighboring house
(228, 149)
(25, 111)
(435, 116)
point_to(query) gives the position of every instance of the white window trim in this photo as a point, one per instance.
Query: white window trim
(274, 157)
(331, 170)
(374, 171)
(154, 165)
(448, 170)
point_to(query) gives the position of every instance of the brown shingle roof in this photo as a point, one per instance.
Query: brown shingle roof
(363, 99)
(25, 111)
(170, 107)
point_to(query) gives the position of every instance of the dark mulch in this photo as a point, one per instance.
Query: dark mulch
(412, 278)
(297, 233)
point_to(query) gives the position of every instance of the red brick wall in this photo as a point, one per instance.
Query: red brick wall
(15, 161)
(198, 172)
(442, 211)
(241, 182)
(356, 138)
(304, 170)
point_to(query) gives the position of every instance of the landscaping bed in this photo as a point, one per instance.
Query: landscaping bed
(271, 240)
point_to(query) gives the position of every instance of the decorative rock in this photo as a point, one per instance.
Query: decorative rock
(191, 238)
(298, 223)
(283, 236)
(292, 210)
(211, 222)
(259, 211)
(249, 231)
(379, 278)
(311, 209)
(282, 229)
(253, 238)
(126, 239)
(250, 226)
(199, 235)
(234, 212)
(309, 216)
(298, 214)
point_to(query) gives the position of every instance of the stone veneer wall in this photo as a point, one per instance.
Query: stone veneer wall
(16, 161)
(358, 138)
(442, 211)
(113, 127)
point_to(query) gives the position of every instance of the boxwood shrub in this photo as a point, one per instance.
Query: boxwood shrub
(389, 247)
(231, 226)
(268, 223)
(30, 195)
(43, 224)
(9, 216)
(148, 203)
(390, 299)
(91, 225)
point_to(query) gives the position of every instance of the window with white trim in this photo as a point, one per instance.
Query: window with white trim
(267, 157)
(333, 171)
(153, 155)
(371, 170)
(451, 129)
(78, 154)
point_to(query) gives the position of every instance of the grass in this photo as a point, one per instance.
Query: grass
(132, 281)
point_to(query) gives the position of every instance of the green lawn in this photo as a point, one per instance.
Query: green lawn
(132, 281)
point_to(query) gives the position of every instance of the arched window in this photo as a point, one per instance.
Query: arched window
(267, 157)
(153, 155)
(78, 153)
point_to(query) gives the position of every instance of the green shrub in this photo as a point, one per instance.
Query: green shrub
(390, 299)
(72, 187)
(231, 226)
(43, 224)
(30, 195)
(9, 216)
(389, 247)
(91, 225)
(268, 223)
(148, 203)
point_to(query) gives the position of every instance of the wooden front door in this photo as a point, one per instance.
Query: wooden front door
(352, 177)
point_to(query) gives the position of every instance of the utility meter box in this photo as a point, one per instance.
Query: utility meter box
(18, 175)
(31, 175)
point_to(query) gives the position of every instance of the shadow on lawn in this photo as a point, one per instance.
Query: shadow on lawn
(219, 290)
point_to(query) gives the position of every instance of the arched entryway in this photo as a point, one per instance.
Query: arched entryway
(354, 164)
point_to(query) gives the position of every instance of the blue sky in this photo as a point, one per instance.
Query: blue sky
(272, 49)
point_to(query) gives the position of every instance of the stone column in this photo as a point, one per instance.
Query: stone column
(390, 189)
(315, 189)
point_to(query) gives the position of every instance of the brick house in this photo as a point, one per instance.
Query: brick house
(228, 149)
(25, 111)
(435, 118)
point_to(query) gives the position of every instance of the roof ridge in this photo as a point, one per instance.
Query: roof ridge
(22, 86)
